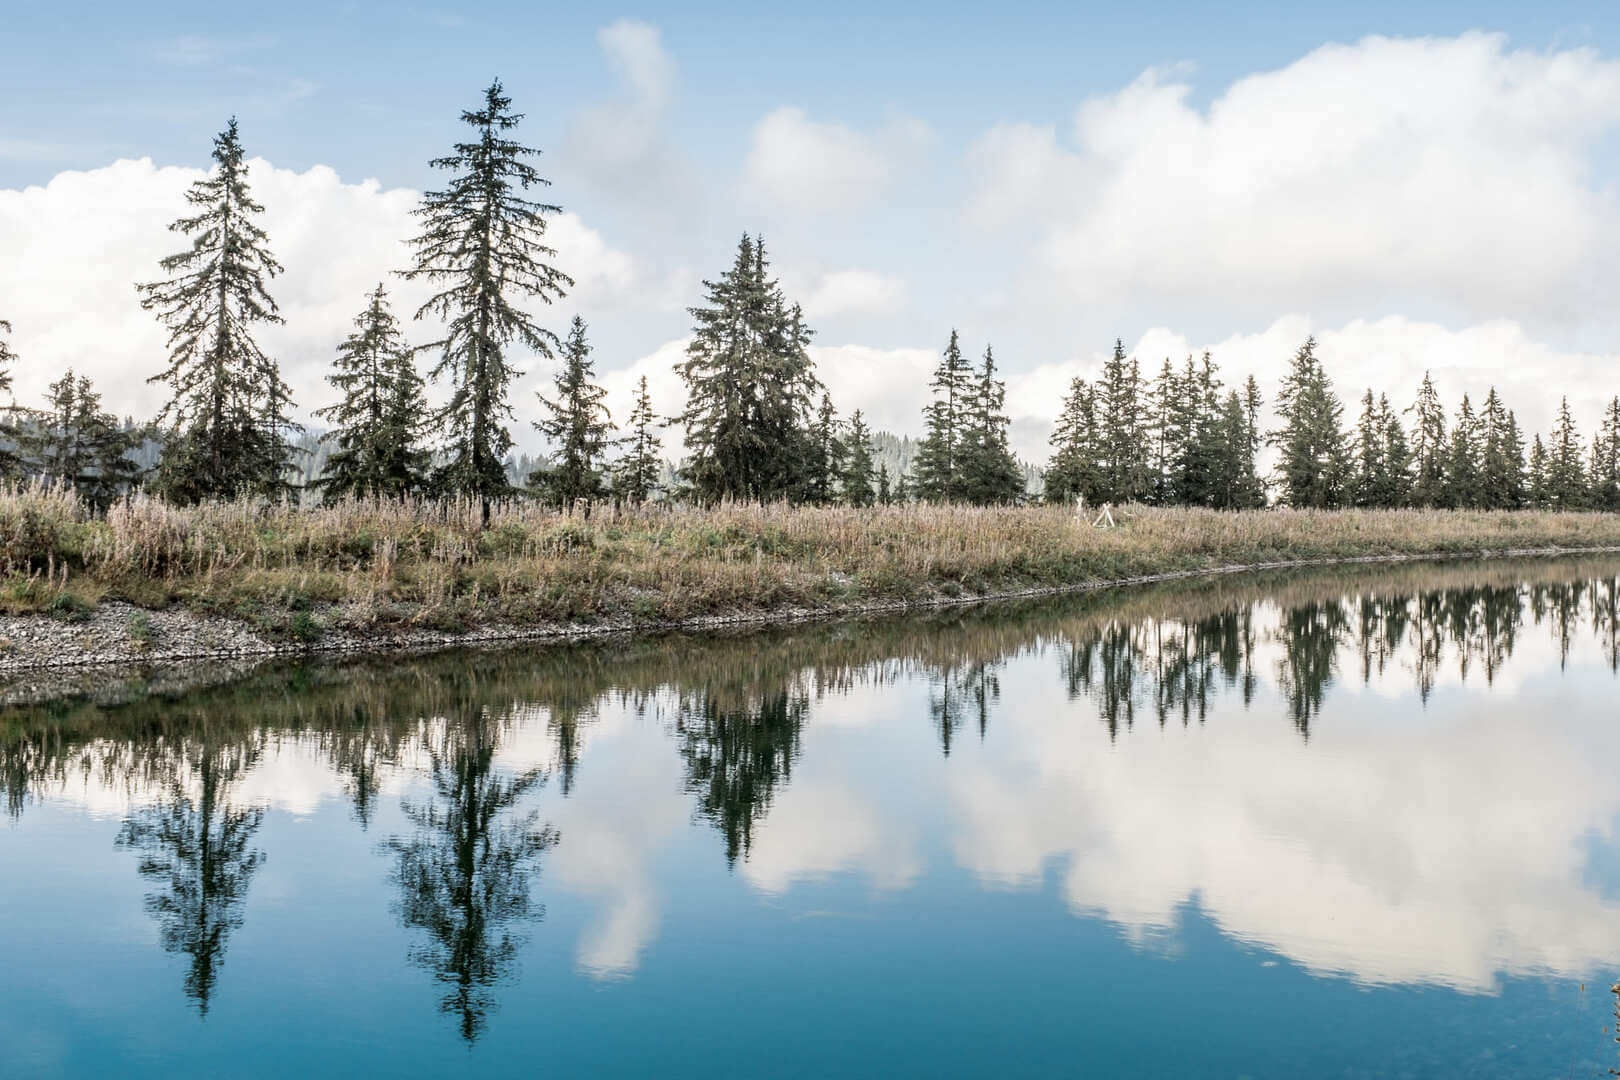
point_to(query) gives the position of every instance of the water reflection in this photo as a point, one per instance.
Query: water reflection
(1337, 767)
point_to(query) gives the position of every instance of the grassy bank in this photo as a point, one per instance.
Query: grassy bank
(363, 565)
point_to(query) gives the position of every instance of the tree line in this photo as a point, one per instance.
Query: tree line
(759, 424)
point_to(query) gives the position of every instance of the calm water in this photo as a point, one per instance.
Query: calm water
(1357, 824)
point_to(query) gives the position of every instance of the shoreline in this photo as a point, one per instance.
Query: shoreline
(39, 642)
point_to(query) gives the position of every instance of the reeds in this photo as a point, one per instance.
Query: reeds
(382, 561)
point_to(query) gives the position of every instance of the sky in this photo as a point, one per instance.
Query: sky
(1422, 186)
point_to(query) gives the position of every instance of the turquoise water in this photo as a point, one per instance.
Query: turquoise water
(1362, 823)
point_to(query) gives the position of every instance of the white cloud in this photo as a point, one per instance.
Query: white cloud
(1452, 171)
(841, 292)
(77, 245)
(799, 164)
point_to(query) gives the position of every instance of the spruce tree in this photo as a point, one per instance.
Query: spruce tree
(885, 494)
(1314, 467)
(74, 441)
(1072, 472)
(1565, 483)
(578, 422)
(1605, 470)
(1497, 435)
(227, 417)
(1536, 480)
(10, 462)
(1463, 488)
(1395, 489)
(1127, 473)
(483, 243)
(635, 475)
(827, 452)
(937, 468)
(1514, 487)
(378, 424)
(1371, 470)
(990, 475)
(857, 476)
(751, 387)
(1429, 447)
(1205, 452)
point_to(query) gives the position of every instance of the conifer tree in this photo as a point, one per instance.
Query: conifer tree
(1513, 491)
(751, 387)
(1605, 470)
(635, 476)
(1170, 427)
(857, 478)
(885, 493)
(1252, 404)
(1498, 484)
(1565, 482)
(379, 423)
(578, 423)
(483, 243)
(1072, 472)
(1536, 480)
(1429, 447)
(827, 452)
(937, 469)
(1463, 487)
(1205, 451)
(10, 463)
(991, 476)
(1125, 454)
(1395, 489)
(1371, 475)
(74, 441)
(1315, 466)
(227, 416)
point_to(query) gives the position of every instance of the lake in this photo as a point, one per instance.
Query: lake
(1359, 822)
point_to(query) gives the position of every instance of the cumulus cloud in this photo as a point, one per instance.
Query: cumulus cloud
(798, 164)
(843, 292)
(620, 144)
(1445, 170)
(78, 244)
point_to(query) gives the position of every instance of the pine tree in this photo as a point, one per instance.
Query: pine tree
(10, 463)
(1395, 489)
(483, 241)
(937, 469)
(1127, 473)
(1537, 478)
(990, 475)
(827, 453)
(856, 479)
(635, 476)
(578, 423)
(1252, 404)
(1369, 488)
(379, 422)
(1170, 428)
(1565, 476)
(1072, 472)
(1514, 491)
(227, 418)
(1497, 435)
(1429, 447)
(1605, 470)
(751, 387)
(1463, 488)
(74, 441)
(1206, 451)
(885, 493)
(1315, 463)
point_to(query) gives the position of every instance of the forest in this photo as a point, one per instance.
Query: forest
(759, 425)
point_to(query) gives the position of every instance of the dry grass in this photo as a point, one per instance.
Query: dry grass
(369, 563)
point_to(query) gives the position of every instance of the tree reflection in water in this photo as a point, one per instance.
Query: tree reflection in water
(465, 874)
(197, 849)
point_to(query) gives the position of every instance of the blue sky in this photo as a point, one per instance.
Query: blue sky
(1046, 177)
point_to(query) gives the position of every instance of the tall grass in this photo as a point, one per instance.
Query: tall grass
(367, 562)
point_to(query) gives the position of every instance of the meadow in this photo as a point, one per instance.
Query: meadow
(396, 564)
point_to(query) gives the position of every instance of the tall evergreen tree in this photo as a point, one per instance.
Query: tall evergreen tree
(1464, 490)
(1605, 470)
(635, 476)
(885, 491)
(1429, 447)
(227, 416)
(991, 476)
(1072, 472)
(937, 468)
(856, 481)
(1369, 487)
(483, 243)
(10, 462)
(378, 425)
(1314, 467)
(1126, 466)
(578, 422)
(1396, 487)
(751, 387)
(1565, 476)
(827, 451)
(1205, 451)
(1498, 483)
(1536, 480)
(73, 440)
